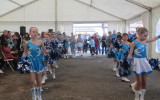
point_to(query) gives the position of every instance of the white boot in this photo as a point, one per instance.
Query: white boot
(143, 91)
(133, 85)
(50, 69)
(55, 63)
(1, 72)
(53, 73)
(67, 55)
(125, 79)
(46, 76)
(114, 66)
(137, 93)
(39, 93)
(117, 72)
(43, 79)
(33, 91)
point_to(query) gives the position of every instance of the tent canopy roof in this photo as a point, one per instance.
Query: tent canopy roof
(107, 10)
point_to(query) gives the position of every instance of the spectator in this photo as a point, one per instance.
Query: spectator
(109, 40)
(4, 37)
(7, 53)
(92, 43)
(114, 34)
(99, 45)
(85, 46)
(18, 39)
(24, 39)
(103, 43)
(10, 40)
(96, 40)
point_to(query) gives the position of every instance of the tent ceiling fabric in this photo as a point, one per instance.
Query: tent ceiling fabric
(22, 2)
(116, 9)
(6, 5)
(149, 3)
(9, 5)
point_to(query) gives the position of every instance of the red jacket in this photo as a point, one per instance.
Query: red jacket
(7, 52)
(96, 40)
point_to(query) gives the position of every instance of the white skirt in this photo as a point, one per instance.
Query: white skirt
(79, 45)
(141, 65)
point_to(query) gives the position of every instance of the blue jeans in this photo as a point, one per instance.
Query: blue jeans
(103, 49)
(99, 48)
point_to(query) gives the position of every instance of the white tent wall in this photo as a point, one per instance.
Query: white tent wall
(155, 18)
(66, 27)
(117, 26)
(14, 26)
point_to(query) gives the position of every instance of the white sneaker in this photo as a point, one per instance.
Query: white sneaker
(133, 86)
(67, 57)
(117, 72)
(125, 79)
(56, 66)
(1, 72)
(53, 74)
(39, 98)
(117, 75)
(43, 79)
(46, 77)
(34, 97)
(114, 69)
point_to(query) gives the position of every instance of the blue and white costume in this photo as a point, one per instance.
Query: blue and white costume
(73, 44)
(65, 41)
(35, 57)
(116, 49)
(141, 64)
(124, 51)
(125, 68)
(48, 57)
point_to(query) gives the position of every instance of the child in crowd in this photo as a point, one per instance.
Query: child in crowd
(79, 44)
(73, 43)
(34, 46)
(49, 58)
(92, 43)
(141, 66)
(116, 46)
(66, 45)
(124, 68)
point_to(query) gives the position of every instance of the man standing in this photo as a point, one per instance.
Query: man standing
(109, 40)
(103, 44)
(114, 34)
(130, 36)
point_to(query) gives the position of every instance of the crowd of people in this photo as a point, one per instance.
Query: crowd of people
(40, 51)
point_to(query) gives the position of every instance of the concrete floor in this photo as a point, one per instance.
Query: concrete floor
(87, 78)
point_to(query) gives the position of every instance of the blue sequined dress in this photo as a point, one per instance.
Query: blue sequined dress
(35, 57)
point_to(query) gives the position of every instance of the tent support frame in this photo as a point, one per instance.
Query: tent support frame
(18, 8)
(139, 4)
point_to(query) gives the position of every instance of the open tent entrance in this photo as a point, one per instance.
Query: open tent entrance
(88, 29)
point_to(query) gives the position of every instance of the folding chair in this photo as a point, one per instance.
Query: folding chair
(8, 61)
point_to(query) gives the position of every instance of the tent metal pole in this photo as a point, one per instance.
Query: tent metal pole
(150, 34)
(56, 23)
(15, 2)
(100, 10)
(139, 4)
(91, 3)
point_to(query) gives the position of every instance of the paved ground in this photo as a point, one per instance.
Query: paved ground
(87, 78)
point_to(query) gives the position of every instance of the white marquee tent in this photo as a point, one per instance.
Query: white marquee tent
(62, 14)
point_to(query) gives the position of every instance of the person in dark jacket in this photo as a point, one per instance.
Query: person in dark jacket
(103, 44)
